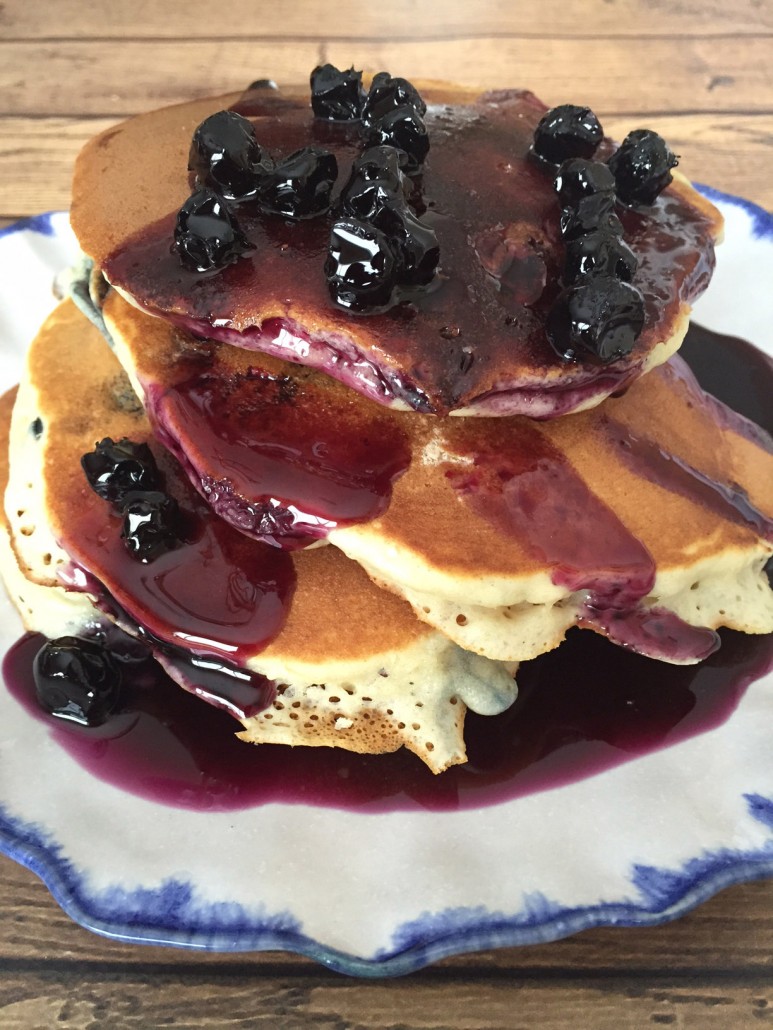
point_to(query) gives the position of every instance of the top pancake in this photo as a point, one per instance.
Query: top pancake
(476, 343)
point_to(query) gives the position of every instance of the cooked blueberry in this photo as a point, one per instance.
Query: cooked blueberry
(596, 211)
(601, 318)
(226, 156)
(578, 177)
(36, 427)
(77, 680)
(567, 131)
(376, 180)
(151, 522)
(300, 186)
(262, 84)
(598, 253)
(404, 128)
(386, 94)
(361, 265)
(114, 469)
(207, 235)
(416, 242)
(642, 167)
(336, 95)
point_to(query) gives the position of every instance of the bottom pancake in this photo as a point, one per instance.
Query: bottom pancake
(352, 665)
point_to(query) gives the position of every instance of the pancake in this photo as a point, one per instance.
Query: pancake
(353, 667)
(473, 342)
(641, 518)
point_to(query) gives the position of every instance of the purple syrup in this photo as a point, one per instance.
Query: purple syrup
(584, 708)
(497, 281)
(735, 371)
(218, 595)
(535, 495)
(283, 460)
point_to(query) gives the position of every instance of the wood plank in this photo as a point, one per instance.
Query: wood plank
(36, 161)
(730, 936)
(661, 76)
(31, 999)
(400, 19)
(725, 151)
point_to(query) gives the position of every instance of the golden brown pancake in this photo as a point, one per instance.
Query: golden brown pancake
(505, 532)
(354, 667)
(475, 342)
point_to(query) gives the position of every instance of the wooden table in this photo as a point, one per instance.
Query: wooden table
(701, 73)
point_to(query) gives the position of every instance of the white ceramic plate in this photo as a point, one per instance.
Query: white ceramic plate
(385, 894)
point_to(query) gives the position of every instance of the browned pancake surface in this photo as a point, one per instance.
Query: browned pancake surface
(665, 417)
(337, 613)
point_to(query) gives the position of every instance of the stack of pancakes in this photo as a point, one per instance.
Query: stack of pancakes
(392, 509)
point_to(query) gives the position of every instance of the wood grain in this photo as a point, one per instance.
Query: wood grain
(698, 71)
(247, 20)
(694, 74)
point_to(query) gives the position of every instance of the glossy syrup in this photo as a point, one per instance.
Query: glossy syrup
(214, 600)
(283, 460)
(495, 285)
(583, 708)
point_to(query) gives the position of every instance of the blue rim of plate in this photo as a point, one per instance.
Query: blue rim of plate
(169, 915)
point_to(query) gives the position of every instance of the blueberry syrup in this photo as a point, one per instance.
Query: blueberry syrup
(479, 175)
(217, 596)
(584, 708)
(283, 460)
(536, 495)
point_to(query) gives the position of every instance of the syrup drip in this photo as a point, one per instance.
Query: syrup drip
(535, 495)
(218, 595)
(479, 162)
(281, 460)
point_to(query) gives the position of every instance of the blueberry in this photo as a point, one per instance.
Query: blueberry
(596, 211)
(376, 181)
(416, 242)
(578, 177)
(598, 253)
(336, 95)
(601, 318)
(262, 84)
(403, 128)
(361, 266)
(114, 469)
(642, 167)
(206, 235)
(300, 186)
(151, 522)
(386, 94)
(77, 680)
(567, 131)
(226, 156)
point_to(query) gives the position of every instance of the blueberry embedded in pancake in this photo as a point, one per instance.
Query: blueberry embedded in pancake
(346, 664)
(472, 339)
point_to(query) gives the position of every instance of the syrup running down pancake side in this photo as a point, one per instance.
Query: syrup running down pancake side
(224, 614)
(475, 342)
